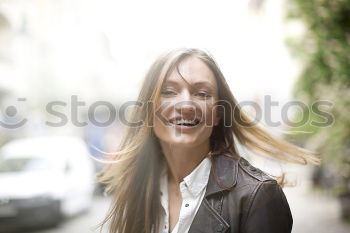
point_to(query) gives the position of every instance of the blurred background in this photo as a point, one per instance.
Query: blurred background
(68, 66)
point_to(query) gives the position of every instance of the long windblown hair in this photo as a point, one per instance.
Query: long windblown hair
(132, 174)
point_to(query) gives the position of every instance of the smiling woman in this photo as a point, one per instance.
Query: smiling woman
(190, 107)
(184, 174)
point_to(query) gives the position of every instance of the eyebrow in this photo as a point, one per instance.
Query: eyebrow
(196, 84)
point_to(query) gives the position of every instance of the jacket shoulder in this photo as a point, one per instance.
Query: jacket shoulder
(246, 169)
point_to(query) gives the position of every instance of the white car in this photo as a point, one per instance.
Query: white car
(43, 179)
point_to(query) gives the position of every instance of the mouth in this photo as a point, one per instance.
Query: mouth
(184, 122)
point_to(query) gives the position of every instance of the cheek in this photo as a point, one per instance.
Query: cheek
(159, 122)
(157, 129)
(160, 131)
(210, 115)
(158, 125)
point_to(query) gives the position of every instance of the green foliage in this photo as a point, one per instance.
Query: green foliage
(324, 50)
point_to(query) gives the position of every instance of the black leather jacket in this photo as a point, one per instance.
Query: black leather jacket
(255, 203)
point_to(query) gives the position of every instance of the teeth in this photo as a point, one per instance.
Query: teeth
(182, 121)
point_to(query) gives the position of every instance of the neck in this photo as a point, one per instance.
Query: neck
(181, 160)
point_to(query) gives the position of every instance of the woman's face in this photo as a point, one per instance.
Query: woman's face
(186, 114)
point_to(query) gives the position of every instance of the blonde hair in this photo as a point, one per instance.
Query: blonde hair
(134, 171)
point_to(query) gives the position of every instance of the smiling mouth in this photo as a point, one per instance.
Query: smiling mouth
(186, 123)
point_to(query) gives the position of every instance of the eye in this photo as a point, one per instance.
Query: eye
(168, 92)
(203, 94)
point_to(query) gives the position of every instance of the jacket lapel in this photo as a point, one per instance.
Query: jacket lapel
(208, 218)
(226, 169)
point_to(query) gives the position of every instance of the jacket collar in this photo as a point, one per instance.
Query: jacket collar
(223, 174)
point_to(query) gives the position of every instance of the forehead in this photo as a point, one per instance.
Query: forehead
(194, 71)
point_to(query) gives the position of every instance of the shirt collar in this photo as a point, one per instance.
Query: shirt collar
(197, 180)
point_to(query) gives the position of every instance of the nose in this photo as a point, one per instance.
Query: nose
(185, 104)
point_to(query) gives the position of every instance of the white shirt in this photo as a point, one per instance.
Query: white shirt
(192, 189)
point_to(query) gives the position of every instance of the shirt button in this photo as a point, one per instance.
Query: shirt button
(186, 205)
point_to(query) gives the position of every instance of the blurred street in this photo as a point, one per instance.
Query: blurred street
(312, 212)
(85, 222)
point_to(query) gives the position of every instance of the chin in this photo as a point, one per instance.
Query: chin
(184, 141)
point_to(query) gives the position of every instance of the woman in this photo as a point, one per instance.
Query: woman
(178, 169)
